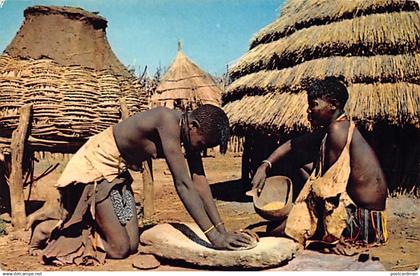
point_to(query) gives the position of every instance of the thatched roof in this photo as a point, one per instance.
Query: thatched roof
(187, 83)
(297, 15)
(61, 62)
(374, 44)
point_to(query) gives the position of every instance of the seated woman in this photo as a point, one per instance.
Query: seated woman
(345, 194)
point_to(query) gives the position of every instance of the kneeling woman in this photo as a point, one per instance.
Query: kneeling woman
(98, 212)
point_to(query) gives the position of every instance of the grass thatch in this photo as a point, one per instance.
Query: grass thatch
(187, 83)
(375, 34)
(394, 103)
(299, 14)
(270, 111)
(381, 68)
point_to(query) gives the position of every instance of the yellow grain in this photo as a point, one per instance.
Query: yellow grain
(275, 205)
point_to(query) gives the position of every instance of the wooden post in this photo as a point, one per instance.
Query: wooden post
(4, 186)
(125, 113)
(19, 137)
(246, 166)
(147, 175)
(148, 191)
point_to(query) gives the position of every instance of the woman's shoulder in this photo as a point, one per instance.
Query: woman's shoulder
(338, 127)
(338, 131)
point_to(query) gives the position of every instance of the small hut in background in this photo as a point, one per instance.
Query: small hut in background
(373, 44)
(186, 86)
(61, 65)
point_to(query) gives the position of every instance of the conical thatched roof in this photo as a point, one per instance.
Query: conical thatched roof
(186, 84)
(373, 44)
(61, 62)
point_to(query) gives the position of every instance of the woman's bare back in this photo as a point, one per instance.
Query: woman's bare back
(367, 185)
(137, 137)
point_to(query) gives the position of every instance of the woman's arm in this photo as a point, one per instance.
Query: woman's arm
(261, 173)
(199, 179)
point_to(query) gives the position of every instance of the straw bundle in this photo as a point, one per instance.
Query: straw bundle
(363, 36)
(271, 111)
(187, 83)
(299, 14)
(394, 103)
(380, 68)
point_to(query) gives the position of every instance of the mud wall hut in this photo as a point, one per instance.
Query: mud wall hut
(185, 85)
(61, 70)
(373, 44)
(61, 62)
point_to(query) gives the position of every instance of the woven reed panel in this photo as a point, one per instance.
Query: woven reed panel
(68, 101)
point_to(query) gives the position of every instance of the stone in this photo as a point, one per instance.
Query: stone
(314, 261)
(187, 243)
(145, 261)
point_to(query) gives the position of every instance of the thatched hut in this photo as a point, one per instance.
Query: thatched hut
(373, 44)
(185, 85)
(61, 62)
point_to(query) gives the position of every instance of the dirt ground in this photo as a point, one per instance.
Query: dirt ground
(223, 172)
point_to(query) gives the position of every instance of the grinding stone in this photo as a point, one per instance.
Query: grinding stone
(186, 242)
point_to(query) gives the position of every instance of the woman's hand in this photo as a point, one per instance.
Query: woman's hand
(259, 178)
(235, 241)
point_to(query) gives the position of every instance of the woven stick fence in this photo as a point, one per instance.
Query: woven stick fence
(69, 103)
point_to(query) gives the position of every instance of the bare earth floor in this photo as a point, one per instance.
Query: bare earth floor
(400, 253)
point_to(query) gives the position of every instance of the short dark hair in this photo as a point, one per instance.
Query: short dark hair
(214, 124)
(330, 89)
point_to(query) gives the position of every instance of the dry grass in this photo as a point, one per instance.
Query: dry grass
(354, 69)
(283, 111)
(298, 14)
(73, 12)
(365, 36)
(373, 44)
(395, 103)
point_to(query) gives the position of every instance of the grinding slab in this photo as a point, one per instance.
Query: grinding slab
(186, 242)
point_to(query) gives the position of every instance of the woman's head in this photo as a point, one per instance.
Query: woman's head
(330, 89)
(211, 128)
(326, 98)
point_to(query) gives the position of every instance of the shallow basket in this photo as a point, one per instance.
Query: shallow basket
(276, 189)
